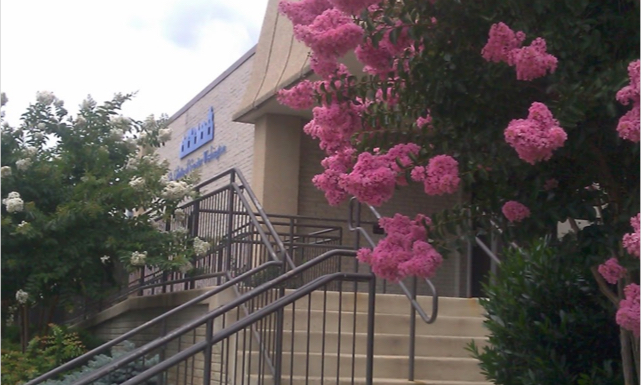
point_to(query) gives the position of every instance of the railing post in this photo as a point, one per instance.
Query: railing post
(412, 336)
(230, 223)
(209, 330)
(141, 280)
(371, 317)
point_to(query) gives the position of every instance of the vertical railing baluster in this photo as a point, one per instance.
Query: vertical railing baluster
(371, 317)
(209, 331)
(412, 341)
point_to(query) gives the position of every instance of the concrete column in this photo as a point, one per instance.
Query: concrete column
(277, 163)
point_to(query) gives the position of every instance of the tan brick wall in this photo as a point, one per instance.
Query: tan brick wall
(238, 138)
(409, 200)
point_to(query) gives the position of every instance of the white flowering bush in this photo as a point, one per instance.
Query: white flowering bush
(80, 198)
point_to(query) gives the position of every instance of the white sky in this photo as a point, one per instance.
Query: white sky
(167, 50)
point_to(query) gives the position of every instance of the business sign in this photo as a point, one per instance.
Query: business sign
(192, 164)
(198, 136)
(195, 139)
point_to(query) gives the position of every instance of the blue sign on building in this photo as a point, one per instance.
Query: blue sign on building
(198, 136)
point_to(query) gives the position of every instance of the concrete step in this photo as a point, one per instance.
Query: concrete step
(302, 380)
(383, 324)
(392, 303)
(387, 344)
(385, 367)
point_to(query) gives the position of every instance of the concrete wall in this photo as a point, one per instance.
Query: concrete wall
(224, 95)
(409, 200)
(135, 311)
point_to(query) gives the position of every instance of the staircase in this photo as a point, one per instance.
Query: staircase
(441, 358)
(331, 328)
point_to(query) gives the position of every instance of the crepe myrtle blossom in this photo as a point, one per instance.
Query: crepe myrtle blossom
(186, 267)
(179, 214)
(611, 271)
(23, 164)
(201, 247)
(404, 251)
(501, 41)
(5, 171)
(331, 35)
(631, 240)
(13, 202)
(104, 259)
(22, 297)
(299, 97)
(628, 127)
(303, 12)
(336, 166)
(439, 177)
(30, 150)
(550, 184)
(628, 314)
(515, 211)
(45, 97)
(176, 190)
(138, 258)
(137, 183)
(164, 135)
(536, 137)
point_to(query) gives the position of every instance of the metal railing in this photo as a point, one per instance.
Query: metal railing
(83, 359)
(415, 307)
(265, 328)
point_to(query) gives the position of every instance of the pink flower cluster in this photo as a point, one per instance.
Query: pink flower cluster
(515, 211)
(372, 180)
(628, 314)
(299, 97)
(502, 40)
(336, 166)
(628, 127)
(303, 12)
(331, 35)
(631, 240)
(374, 177)
(531, 62)
(536, 137)
(404, 251)
(334, 124)
(611, 271)
(384, 57)
(423, 121)
(353, 7)
(439, 177)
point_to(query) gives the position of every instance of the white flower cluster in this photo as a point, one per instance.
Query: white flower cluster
(119, 120)
(104, 259)
(41, 126)
(179, 214)
(116, 134)
(176, 190)
(45, 97)
(138, 258)
(30, 150)
(22, 224)
(22, 297)
(13, 202)
(164, 135)
(137, 183)
(163, 180)
(23, 164)
(5, 171)
(201, 247)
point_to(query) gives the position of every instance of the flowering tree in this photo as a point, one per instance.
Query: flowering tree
(531, 108)
(70, 187)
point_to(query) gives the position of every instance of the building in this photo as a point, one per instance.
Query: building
(265, 141)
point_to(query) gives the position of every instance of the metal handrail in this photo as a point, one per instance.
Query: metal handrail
(419, 309)
(411, 296)
(104, 347)
(265, 311)
(199, 321)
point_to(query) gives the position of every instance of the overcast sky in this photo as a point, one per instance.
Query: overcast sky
(167, 50)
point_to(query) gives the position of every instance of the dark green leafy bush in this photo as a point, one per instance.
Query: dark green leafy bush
(547, 323)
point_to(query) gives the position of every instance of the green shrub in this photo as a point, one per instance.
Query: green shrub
(117, 377)
(42, 354)
(547, 323)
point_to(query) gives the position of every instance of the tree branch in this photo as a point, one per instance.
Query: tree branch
(603, 286)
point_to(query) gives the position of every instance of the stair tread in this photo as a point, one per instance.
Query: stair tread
(394, 381)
